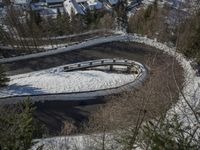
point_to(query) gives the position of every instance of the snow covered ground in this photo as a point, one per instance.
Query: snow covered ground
(191, 90)
(55, 80)
(191, 93)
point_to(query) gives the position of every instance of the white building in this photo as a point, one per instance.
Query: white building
(80, 6)
(72, 6)
(23, 3)
(94, 4)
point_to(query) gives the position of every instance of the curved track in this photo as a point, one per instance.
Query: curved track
(87, 95)
(54, 113)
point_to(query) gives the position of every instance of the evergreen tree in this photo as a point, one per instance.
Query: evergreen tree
(195, 45)
(16, 127)
(189, 37)
(3, 77)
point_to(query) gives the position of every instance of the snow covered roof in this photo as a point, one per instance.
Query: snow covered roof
(95, 4)
(54, 1)
(72, 5)
(81, 1)
(22, 2)
(113, 2)
(38, 6)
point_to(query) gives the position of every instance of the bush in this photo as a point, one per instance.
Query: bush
(189, 37)
(161, 134)
(168, 134)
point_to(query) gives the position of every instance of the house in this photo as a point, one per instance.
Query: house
(49, 12)
(23, 3)
(43, 4)
(48, 8)
(113, 2)
(81, 6)
(54, 3)
(72, 6)
(38, 6)
(94, 4)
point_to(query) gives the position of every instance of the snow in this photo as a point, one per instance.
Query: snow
(191, 92)
(191, 89)
(57, 81)
(87, 43)
(79, 142)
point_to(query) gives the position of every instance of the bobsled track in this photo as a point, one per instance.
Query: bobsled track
(125, 46)
(126, 66)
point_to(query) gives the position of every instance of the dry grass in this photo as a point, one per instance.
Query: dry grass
(155, 97)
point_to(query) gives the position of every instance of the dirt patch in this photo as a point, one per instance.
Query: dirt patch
(149, 101)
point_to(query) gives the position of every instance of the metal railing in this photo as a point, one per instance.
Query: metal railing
(86, 95)
(99, 62)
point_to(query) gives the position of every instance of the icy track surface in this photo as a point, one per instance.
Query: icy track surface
(58, 81)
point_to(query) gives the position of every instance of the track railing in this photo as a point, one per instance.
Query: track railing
(87, 95)
(100, 62)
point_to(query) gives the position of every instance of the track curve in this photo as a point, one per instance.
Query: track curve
(87, 95)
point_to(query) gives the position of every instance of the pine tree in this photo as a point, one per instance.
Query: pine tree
(3, 78)
(16, 127)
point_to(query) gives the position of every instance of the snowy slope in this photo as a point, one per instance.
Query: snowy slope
(57, 81)
(191, 92)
